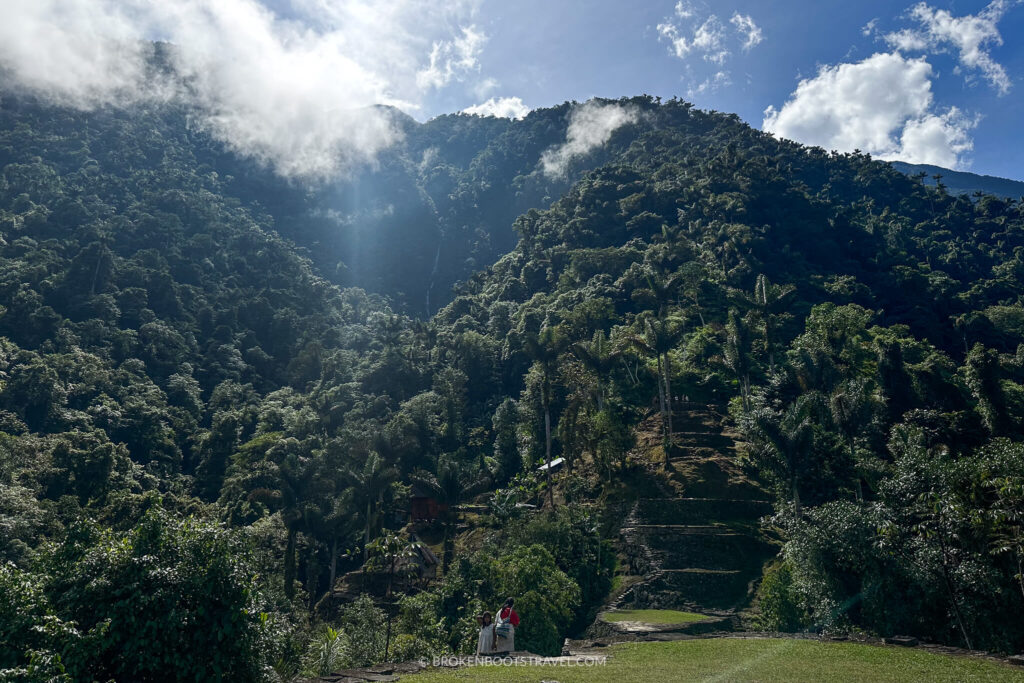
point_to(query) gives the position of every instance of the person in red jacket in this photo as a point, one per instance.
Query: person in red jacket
(505, 628)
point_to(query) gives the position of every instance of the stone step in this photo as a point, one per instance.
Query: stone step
(695, 511)
(719, 589)
(689, 454)
(714, 476)
(702, 439)
(674, 529)
(669, 548)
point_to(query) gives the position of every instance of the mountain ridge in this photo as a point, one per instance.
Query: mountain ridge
(964, 182)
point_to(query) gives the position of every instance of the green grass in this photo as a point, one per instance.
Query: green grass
(765, 660)
(654, 616)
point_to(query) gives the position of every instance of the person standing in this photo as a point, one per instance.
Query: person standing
(485, 643)
(505, 628)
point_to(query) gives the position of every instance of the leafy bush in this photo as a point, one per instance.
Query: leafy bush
(572, 534)
(325, 653)
(778, 602)
(172, 599)
(363, 626)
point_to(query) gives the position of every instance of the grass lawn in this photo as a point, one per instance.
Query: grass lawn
(734, 659)
(654, 616)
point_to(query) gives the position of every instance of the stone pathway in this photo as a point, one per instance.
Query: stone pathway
(698, 548)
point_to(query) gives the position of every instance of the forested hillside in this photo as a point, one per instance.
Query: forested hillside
(961, 182)
(204, 424)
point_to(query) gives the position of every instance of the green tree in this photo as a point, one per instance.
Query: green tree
(599, 356)
(506, 442)
(659, 337)
(782, 443)
(738, 354)
(768, 299)
(371, 482)
(544, 350)
(452, 484)
(387, 553)
(172, 599)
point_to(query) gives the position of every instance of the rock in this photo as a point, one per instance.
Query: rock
(1016, 659)
(903, 641)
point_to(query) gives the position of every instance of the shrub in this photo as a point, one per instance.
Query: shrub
(779, 603)
(170, 600)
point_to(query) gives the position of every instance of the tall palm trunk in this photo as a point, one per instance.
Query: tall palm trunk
(447, 547)
(668, 396)
(334, 565)
(853, 459)
(661, 397)
(547, 453)
(366, 538)
(289, 564)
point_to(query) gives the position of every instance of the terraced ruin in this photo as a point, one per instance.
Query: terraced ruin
(699, 547)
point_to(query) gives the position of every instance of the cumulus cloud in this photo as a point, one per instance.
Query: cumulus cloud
(710, 84)
(971, 37)
(590, 126)
(882, 105)
(745, 25)
(453, 59)
(708, 37)
(501, 107)
(296, 93)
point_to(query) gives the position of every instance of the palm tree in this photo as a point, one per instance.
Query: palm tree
(694, 275)
(452, 484)
(767, 299)
(659, 337)
(292, 482)
(737, 354)
(852, 406)
(783, 443)
(388, 551)
(335, 523)
(370, 484)
(661, 288)
(544, 350)
(599, 356)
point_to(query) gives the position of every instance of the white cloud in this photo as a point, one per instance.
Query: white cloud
(485, 87)
(746, 26)
(295, 93)
(710, 39)
(501, 107)
(707, 39)
(452, 59)
(941, 140)
(590, 126)
(970, 36)
(684, 10)
(882, 105)
(710, 84)
(869, 28)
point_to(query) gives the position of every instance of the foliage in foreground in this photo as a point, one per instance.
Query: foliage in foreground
(170, 599)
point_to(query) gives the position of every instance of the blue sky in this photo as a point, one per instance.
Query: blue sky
(546, 52)
(291, 82)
